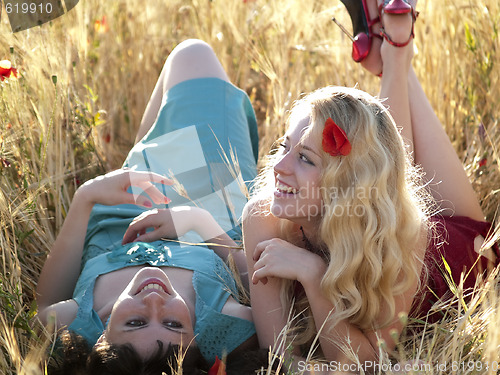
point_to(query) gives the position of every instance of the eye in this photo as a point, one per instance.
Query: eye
(304, 158)
(135, 323)
(283, 146)
(173, 324)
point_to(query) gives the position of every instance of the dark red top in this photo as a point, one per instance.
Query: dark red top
(453, 240)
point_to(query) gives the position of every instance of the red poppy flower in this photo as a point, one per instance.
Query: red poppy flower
(219, 367)
(335, 140)
(6, 70)
(483, 162)
(77, 180)
(101, 26)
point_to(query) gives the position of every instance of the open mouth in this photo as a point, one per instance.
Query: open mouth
(283, 189)
(152, 285)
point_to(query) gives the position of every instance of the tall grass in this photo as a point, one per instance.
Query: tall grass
(85, 79)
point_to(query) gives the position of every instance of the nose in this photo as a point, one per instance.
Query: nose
(154, 300)
(283, 165)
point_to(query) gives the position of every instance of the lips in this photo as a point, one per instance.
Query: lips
(285, 188)
(152, 284)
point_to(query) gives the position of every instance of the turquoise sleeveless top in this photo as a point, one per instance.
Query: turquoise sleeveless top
(215, 333)
(203, 127)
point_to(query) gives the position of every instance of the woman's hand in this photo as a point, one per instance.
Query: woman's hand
(111, 188)
(279, 258)
(63, 265)
(166, 223)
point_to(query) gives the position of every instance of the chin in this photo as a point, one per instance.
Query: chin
(295, 212)
(285, 211)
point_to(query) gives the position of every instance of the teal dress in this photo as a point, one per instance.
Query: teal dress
(205, 137)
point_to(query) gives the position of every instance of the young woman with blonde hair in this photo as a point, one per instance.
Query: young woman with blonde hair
(339, 231)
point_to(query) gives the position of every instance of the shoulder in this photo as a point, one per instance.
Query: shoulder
(258, 225)
(258, 222)
(258, 210)
(255, 206)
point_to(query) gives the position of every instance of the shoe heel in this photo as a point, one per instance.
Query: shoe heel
(360, 43)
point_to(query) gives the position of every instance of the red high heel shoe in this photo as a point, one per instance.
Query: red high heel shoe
(361, 26)
(396, 7)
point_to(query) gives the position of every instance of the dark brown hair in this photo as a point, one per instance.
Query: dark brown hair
(75, 356)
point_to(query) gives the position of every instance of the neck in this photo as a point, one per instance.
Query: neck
(310, 229)
(309, 238)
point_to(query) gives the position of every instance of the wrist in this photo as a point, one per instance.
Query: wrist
(210, 230)
(203, 223)
(313, 273)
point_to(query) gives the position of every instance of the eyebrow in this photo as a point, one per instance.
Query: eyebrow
(307, 148)
(310, 149)
(143, 327)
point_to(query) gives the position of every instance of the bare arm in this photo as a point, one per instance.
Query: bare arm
(62, 267)
(280, 259)
(269, 316)
(364, 343)
(222, 244)
(176, 221)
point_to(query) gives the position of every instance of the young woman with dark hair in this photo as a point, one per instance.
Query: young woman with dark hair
(140, 257)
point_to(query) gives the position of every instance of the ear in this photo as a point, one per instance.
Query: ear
(102, 339)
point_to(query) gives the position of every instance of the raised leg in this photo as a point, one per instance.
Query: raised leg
(449, 185)
(373, 62)
(421, 128)
(189, 60)
(396, 63)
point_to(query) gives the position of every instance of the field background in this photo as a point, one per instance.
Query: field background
(84, 81)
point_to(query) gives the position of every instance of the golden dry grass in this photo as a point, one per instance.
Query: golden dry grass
(56, 135)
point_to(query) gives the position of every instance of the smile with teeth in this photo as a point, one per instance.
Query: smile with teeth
(152, 286)
(286, 189)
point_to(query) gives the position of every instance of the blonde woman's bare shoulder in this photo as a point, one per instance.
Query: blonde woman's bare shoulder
(258, 220)
(256, 206)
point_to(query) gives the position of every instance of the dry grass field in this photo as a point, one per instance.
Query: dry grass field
(84, 80)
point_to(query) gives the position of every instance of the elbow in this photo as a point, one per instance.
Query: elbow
(45, 315)
(57, 315)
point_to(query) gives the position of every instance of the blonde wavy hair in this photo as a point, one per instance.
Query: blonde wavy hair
(371, 253)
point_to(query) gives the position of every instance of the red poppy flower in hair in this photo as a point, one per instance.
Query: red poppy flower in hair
(335, 140)
(219, 368)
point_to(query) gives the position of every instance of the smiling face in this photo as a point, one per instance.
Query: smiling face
(297, 174)
(149, 309)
